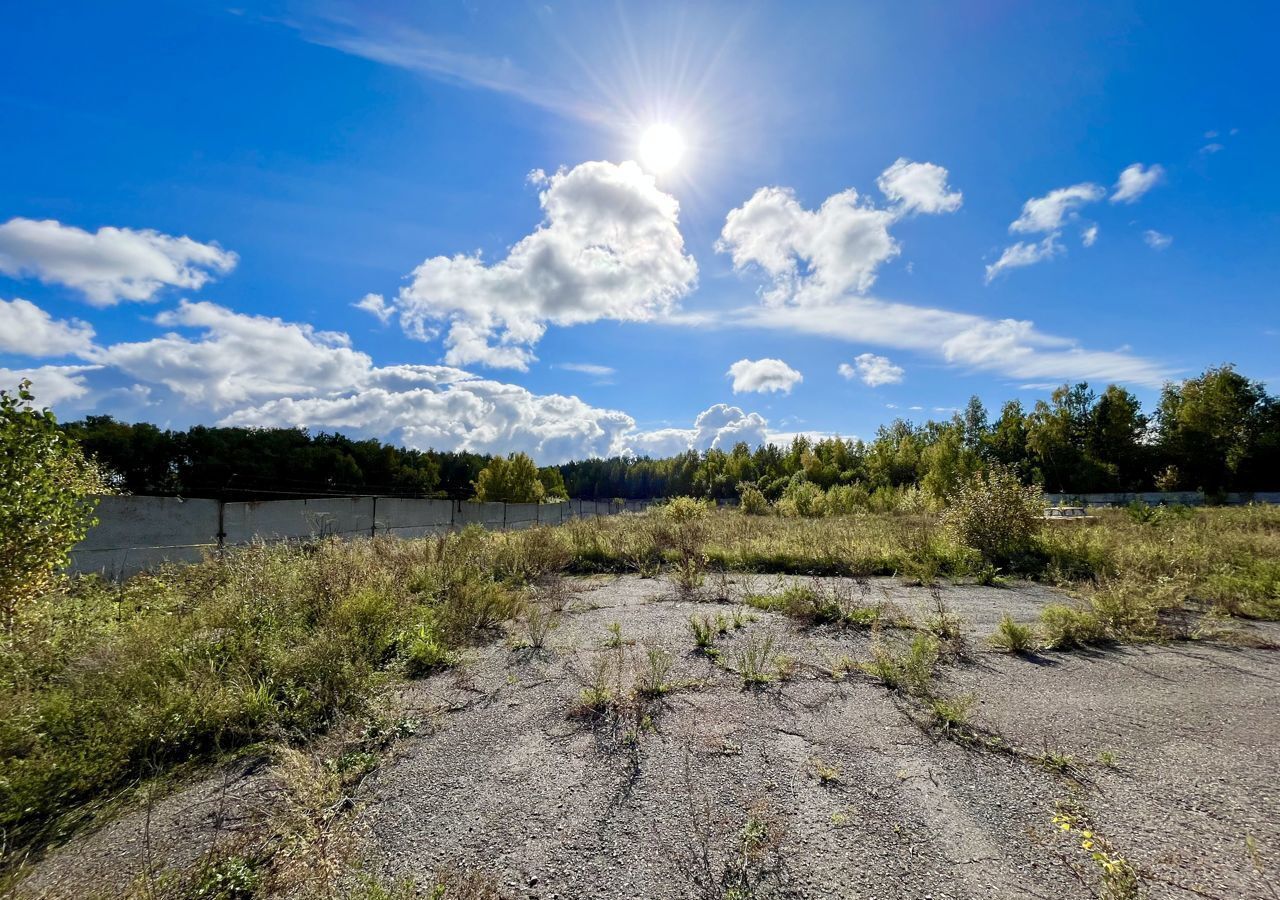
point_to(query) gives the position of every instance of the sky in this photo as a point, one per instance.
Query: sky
(587, 229)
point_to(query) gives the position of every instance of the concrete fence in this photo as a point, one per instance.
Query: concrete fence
(138, 533)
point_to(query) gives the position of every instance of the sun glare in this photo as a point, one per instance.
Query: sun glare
(661, 148)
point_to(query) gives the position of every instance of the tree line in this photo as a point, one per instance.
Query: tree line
(1217, 432)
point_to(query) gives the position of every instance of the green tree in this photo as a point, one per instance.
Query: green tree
(513, 479)
(1214, 428)
(47, 497)
(552, 483)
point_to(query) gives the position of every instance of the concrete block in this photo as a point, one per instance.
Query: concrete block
(410, 518)
(488, 515)
(522, 515)
(134, 534)
(346, 517)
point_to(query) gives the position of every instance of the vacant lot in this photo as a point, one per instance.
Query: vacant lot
(618, 759)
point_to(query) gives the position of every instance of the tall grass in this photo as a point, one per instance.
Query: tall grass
(101, 686)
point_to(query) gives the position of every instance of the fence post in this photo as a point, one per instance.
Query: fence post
(373, 519)
(222, 530)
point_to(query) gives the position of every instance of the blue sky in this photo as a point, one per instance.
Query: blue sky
(880, 210)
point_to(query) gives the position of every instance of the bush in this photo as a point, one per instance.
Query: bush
(802, 498)
(1013, 637)
(47, 489)
(686, 509)
(846, 499)
(995, 514)
(1066, 628)
(752, 500)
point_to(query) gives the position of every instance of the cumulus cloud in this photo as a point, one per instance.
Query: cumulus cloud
(609, 247)
(377, 306)
(763, 376)
(1025, 253)
(28, 330)
(872, 370)
(818, 265)
(236, 358)
(919, 187)
(1135, 181)
(1047, 213)
(51, 385)
(263, 371)
(110, 264)
(813, 256)
(1089, 236)
(718, 427)
(1155, 240)
(473, 414)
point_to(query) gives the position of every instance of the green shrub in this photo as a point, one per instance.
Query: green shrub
(47, 490)
(1014, 637)
(846, 499)
(906, 668)
(1066, 627)
(686, 509)
(425, 652)
(752, 501)
(995, 514)
(802, 498)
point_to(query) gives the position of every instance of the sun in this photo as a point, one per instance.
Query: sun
(661, 148)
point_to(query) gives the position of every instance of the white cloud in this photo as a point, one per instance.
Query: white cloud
(1026, 254)
(28, 330)
(1135, 181)
(473, 414)
(718, 427)
(111, 264)
(608, 248)
(587, 369)
(763, 376)
(239, 358)
(1209, 149)
(51, 385)
(263, 371)
(1009, 346)
(872, 370)
(919, 187)
(812, 256)
(1155, 240)
(1089, 236)
(377, 306)
(1047, 213)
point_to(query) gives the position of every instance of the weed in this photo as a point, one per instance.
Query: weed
(908, 668)
(652, 679)
(1067, 627)
(1119, 879)
(539, 622)
(824, 771)
(951, 713)
(1107, 758)
(705, 631)
(758, 660)
(614, 638)
(1013, 637)
(600, 692)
